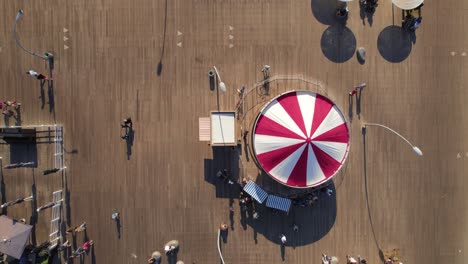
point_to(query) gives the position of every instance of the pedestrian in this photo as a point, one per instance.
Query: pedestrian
(81, 228)
(37, 75)
(231, 209)
(71, 230)
(329, 192)
(116, 216)
(64, 246)
(351, 260)
(127, 122)
(326, 259)
(86, 245)
(353, 92)
(265, 71)
(295, 228)
(223, 227)
(283, 239)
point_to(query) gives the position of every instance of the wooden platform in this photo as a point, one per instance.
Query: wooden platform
(149, 60)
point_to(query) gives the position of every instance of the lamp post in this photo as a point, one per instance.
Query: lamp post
(416, 150)
(19, 15)
(221, 84)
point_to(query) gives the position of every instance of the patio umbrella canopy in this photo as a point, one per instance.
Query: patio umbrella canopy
(301, 139)
(13, 236)
(407, 4)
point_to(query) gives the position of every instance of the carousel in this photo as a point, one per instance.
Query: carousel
(300, 139)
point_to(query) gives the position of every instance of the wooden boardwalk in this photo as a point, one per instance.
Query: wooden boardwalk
(106, 69)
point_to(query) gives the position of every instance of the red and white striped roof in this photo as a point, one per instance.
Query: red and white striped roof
(301, 139)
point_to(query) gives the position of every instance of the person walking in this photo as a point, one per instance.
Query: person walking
(87, 245)
(81, 228)
(116, 216)
(353, 92)
(283, 239)
(37, 75)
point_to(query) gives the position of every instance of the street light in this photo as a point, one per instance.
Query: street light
(415, 149)
(222, 86)
(19, 15)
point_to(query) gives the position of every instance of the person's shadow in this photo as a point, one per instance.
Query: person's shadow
(6, 119)
(231, 213)
(358, 103)
(119, 226)
(366, 11)
(283, 252)
(18, 116)
(350, 108)
(42, 82)
(129, 141)
(50, 93)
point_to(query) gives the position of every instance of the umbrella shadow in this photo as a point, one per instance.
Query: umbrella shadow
(325, 11)
(224, 158)
(394, 44)
(314, 222)
(338, 43)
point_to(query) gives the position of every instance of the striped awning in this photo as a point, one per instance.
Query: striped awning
(255, 191)
(279, 203)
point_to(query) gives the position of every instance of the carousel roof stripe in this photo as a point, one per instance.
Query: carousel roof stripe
(321, 108)
(327, 163)
(336, 134)
(305, 101)
(290, 104)
(277, 113)
(283, 170)
(269, 127)
(298, 174)
(336, 150)
(267, 143)
(271, 159)
(314, 171)
(332, 120)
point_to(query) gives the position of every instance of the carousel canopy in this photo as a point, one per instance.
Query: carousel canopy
(301, 139)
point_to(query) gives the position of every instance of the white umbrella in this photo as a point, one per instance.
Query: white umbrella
(407, 4)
